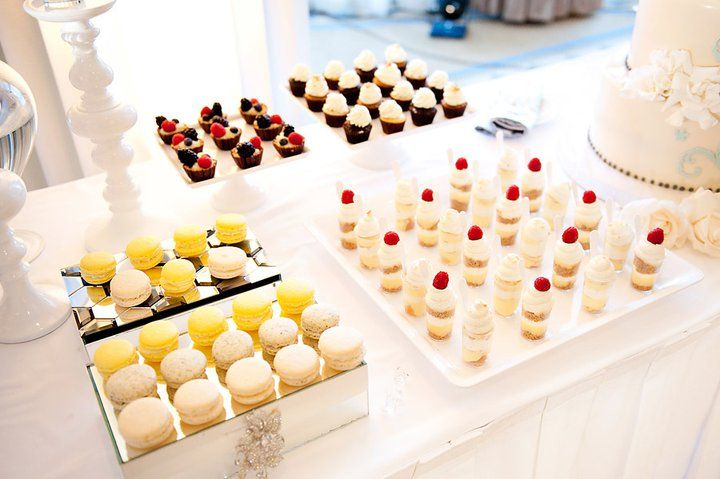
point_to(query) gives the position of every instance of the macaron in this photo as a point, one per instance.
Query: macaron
(177, 277)
(113, 355)
(276, 333)
(230, 228)
(145, 423)
(297, 365)
(157, 340)
(198, 402)
(251, 309)
(226, 262)
(294, 295)
(250, 381)
(183, 365)
(144, 252)
(205, 324)
(97, 267)
(130, 287)
(190, 241)
(341, 348)
(130, 383)
(316, 318)
(231, 346)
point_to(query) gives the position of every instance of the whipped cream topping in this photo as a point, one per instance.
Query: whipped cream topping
(559, 192)
(437, 79)
(405, 191)
(300, 72)
(350, 212)
(390, 110)
(395, 54)
(416, 69)
(537, 301)
(509, 208)
(336, 104)
(476, 249)
(460, 177)
(619, 234)
(316, 86)
(428, 210)
(568, 253)
(478, 318)
(424, 98)
(532, 180)
(333, 69)
(588, 213)
(370, 94)
(453, 95)
(417, 274)
(359, 116)
(600, 269)
(403, 90)
(510, 268)
(652, 254)
(509, 159)
(534, 236)
(349, 79)
(368, 226)
(451, 222)
(440, 299)
(390, 255)
(389, 74)
(365, 61)
(485, 189)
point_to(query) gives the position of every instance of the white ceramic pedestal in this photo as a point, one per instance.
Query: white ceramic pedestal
(377, 154)
(237, 195)
(102, 119)
(26, 312)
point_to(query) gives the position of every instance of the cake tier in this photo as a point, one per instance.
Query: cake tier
(692, 25)
(632, 136)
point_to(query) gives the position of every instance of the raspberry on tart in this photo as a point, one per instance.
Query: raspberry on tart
(251, 108)
(247, 155)
(225, 137)
(266, 128)
(289, 142)
(210, 115)
(167, 129)
(188, 140)
(198, 168)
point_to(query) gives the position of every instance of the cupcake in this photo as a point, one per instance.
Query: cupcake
(392, 117)
(248, 154)
(268, 127)
(453, 102)
(335, 109)
(396, 54)
(198, 168)
(358, 125)
(386, 77)
(168, 128)
(208, 116)
(332, 73)
(251, 109)
(349, 86)
(298, 78)
(365, 65)
(403, 93)
(416, 73)
(225, 137)
(289, 142)
(316, 90)
(422, 108)
(370, 98)
(188, 140)
(436, 82)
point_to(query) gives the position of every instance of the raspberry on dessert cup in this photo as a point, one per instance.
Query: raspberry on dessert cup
(225, 137)
(251, 108)
(248, 154)
(208, 116)
(168, 128)
(289, 143)
(198, 168)
(188, 141)
(268, 127)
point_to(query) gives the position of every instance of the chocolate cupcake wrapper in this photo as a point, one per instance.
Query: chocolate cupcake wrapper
(366, 76)
(390, 127)
(315, 104)
(438, 93)
(404, 104)
(297, 88)
(226, 144)
(453, 111)
(351, 95)
(332, 84)
(356, 135)
(416, 83)
(385, 90)
(268, 134)
(422, 116)
(200, 175)
(335, 121)
(289, 150)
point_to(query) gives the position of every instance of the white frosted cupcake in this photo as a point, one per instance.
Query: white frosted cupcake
(476, 256)
(391, 258)
(427, 218)
(532, 184)
(587, 217)
(649, 256)
(537, 304)
(332, 72)
(440, 307)
(508, 215)
(567, 257)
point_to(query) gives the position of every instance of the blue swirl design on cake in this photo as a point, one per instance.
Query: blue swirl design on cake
(688, 165)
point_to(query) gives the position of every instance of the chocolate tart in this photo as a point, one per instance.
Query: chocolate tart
(246, 155)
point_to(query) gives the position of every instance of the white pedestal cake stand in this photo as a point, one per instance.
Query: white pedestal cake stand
(102, 119)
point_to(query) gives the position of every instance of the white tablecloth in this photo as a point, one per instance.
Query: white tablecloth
(633, 399)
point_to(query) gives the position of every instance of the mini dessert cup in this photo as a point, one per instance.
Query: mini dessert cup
(422, 116)
(392, 125)
(297, 87)
(356, 134)
(334, 120)
(453, 111)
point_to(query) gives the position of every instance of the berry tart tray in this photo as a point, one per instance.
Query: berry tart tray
(226, 166)
(97, 316)
(209, 450)
(509, 348)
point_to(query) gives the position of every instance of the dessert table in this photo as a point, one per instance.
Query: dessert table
(637, 398)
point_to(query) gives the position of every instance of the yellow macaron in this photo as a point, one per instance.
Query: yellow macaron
(177, 277)
(230, 228)
(157, 340)
(206, 324)
(98, 267)
(144, 252)
(294, 295)
(251, 309)
(190, 241)
(114, 354)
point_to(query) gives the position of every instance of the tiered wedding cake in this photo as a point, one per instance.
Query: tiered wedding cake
(657, 118)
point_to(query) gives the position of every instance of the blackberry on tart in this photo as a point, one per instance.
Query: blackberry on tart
(251, 108)
(188, 140)
(248, 153)
(208, 116)
(267, 127)
(198, 168)
(167, 128)
(289, 142)
(226, 137)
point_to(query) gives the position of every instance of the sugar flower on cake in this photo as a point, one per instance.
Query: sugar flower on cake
(703, 213)
(664, 214)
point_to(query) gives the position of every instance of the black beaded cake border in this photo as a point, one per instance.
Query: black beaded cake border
(628, 173)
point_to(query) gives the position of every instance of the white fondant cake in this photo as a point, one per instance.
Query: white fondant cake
(659, 121)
